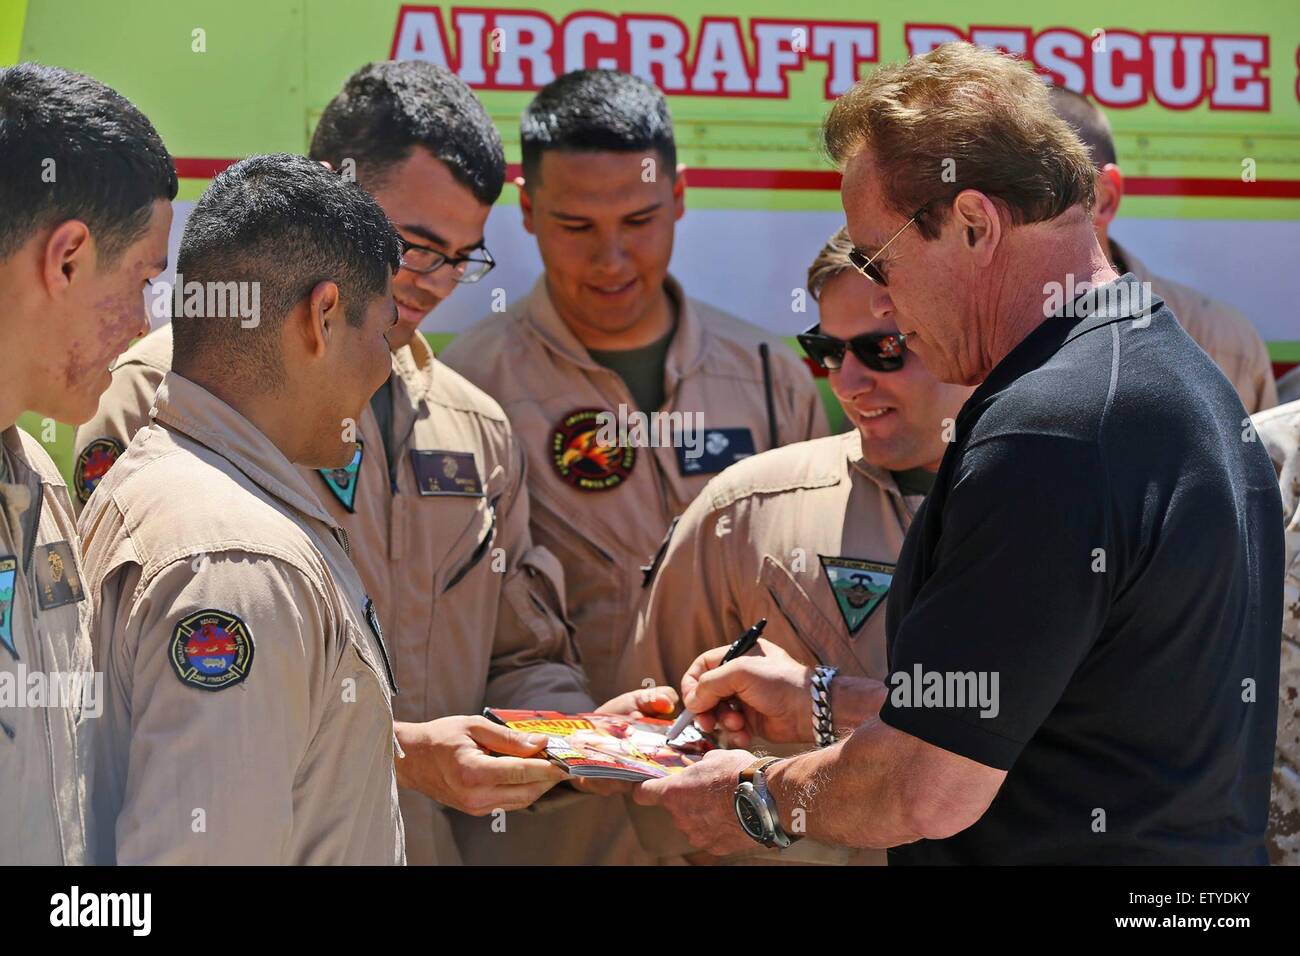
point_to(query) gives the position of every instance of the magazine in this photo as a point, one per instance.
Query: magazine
(608, 746)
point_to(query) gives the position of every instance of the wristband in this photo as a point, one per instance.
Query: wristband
(821, 704)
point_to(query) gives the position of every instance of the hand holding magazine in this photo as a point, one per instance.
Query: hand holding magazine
(608, 746)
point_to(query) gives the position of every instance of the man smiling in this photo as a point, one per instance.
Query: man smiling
(605, 330)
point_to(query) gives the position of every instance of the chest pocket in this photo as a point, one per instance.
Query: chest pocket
(476, 541)
(814, 628)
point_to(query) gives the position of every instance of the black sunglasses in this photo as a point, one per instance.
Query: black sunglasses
(878, 351)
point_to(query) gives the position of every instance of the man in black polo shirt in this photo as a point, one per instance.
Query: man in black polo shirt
(1083, 624)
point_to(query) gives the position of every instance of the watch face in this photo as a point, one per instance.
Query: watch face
(748, 815)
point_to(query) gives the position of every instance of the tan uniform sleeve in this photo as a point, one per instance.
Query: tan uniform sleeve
(210, 774)
(688, 606)
(1264, 385)
(534, 658)
(123, 411)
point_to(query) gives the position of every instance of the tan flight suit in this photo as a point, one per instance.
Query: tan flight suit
(248, 715)
(603, 512)
(472, 611)
(807, 537)
(1279, 429)
(47, 696)
(1223, 333)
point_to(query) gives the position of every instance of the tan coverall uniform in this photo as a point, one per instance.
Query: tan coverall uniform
(248, 715)
(805, 536)
(472, 611)
(1223, 333)
(1279, 429)
(47, 694)
(529, 361)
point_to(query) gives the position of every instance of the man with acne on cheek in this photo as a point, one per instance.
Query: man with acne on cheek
(85, 204)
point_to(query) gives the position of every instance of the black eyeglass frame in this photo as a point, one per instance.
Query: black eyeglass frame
(441, 259)
(828, 351)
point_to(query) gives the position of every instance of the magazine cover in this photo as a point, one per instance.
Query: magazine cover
(608, 746)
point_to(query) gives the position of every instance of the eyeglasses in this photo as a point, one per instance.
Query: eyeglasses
(866, 265)
(878, 351)
(424, 260)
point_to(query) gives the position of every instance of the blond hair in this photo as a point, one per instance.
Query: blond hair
(962, 117)
(830, 262)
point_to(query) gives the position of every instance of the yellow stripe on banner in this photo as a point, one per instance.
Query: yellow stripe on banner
(13, 14)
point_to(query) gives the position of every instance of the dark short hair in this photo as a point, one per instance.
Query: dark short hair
(387, 109)
(596, 111)
(72, 148)
(286, 223)
(1088, 121)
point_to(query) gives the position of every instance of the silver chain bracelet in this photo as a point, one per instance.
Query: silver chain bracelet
(821, 704)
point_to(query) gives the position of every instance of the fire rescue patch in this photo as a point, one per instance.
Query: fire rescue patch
(718, 449)
(342, 482)
(57, 581)
(859, 587)
(446, 473)
(8, 582)
(93, 464)
(212, 650)
(583, 462)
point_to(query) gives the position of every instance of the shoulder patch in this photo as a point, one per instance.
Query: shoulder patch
(93, 464)
(342, 482)
(858, 586)
(581, 461)
(8, 581)
(211, 650)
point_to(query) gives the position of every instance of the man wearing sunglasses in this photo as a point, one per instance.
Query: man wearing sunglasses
(434, 500)
(1054, 617)
(805, 536)
(606, 330)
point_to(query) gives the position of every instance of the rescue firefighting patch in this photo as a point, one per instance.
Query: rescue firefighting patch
(93, 464)
(719, 449)
(859, 587)
(343, 481)
(212, 650)
(582, 461)
(446, 473)
(8, 582)
(57, 581)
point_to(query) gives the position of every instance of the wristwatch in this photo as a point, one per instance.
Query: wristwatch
(755, 808)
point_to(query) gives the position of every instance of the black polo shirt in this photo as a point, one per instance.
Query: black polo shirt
(1104, 536)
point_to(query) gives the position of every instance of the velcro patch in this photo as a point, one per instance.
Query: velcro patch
(859, 587)
(446, 473)
(8, 582)
(57, 581)
(211, 650)
(719, 449)
(342, 482)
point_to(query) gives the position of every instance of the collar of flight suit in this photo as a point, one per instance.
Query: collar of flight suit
(412, 378)
(853, 449)
(189, 408)
(685, 352)
(20, 490)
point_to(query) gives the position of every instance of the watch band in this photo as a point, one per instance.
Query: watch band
(762, 763)
(823, 728)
